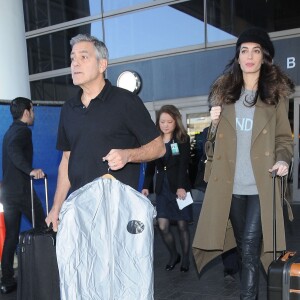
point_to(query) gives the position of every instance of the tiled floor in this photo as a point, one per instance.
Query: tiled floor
(212, 285)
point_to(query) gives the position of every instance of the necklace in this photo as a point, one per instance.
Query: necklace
(248, 96)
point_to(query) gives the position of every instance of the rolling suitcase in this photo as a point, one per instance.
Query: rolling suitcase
(38, 277)
(284, 271)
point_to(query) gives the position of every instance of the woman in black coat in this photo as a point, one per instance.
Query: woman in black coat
(171, 182)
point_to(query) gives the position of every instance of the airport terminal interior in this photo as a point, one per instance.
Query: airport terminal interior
(172, 50)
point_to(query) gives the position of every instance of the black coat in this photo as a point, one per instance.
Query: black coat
(174, 166)
(17, 155)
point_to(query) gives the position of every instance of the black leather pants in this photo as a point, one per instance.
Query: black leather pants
(246, 222)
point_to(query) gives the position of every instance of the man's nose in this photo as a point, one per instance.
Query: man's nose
(74, 62)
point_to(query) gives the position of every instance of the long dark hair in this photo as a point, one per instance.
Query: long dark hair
(273, 83)
(180, 132)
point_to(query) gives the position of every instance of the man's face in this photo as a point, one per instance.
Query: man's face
(85, 67)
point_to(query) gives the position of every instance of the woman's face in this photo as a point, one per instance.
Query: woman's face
(250, 58)
(166, 123)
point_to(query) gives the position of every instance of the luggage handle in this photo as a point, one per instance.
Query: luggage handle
(46, 196)
(287, 255)
(274, 174)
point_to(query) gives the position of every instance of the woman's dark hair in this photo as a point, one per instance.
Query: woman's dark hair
(18, 106)
(273, 83)
(180, 132)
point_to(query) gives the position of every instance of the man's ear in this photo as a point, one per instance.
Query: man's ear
(26, 112)
(25, 115)
(102, 65)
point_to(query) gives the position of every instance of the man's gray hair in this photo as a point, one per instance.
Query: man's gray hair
(101, 50)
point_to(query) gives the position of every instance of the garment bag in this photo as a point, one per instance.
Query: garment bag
(105, 243)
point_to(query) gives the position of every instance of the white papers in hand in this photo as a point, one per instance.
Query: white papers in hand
(187, 201)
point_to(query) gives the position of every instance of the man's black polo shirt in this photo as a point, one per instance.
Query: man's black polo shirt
(115, 119)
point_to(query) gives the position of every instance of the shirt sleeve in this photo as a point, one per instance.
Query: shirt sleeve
(139, 121)
(183, 165)
(15, 150)
(62, 142)
(283, 138)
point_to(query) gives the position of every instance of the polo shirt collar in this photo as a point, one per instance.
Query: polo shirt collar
(102, 96)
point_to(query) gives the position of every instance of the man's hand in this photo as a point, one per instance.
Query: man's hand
(145, 192)
(53, 218)
(116, 158)
(37, 173)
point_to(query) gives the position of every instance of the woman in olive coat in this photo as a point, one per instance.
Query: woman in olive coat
(251, 136)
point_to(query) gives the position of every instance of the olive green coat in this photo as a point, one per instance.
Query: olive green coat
(271, 142)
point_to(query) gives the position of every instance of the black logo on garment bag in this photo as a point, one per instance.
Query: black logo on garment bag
(135, 227)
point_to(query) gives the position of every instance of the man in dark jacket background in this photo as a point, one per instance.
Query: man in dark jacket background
(17, 168)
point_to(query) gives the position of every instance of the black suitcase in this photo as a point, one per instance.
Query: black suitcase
(284, 271)
(38, 277)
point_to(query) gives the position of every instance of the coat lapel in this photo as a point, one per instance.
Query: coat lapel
(263, 113)
(228, 113)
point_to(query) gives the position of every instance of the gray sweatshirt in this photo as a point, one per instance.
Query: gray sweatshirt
(244, 181)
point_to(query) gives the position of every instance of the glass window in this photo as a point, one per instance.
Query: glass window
(152, 30)
(59, 88)
(296, 155)
(215, 34)
(52, 51)
(219, 20)
(43, 13)
(109, 5)
(228, 18)
(196, 122)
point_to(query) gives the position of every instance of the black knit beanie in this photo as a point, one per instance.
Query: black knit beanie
(256, 35)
